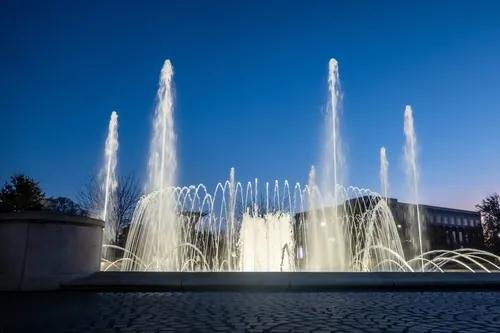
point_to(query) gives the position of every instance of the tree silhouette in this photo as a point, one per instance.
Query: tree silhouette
(64, 205)
(490, 212)
(21, 193)
(91, 200)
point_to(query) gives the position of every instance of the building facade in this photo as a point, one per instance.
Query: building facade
(441, 228)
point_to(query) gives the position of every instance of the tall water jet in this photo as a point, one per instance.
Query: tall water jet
(156, 227)
(410, 153)
(162, 156)
(231, 232)
(333, 158)
(326, 241)
(311, 225)
(336, 239)
(384, 173)
(109, 182)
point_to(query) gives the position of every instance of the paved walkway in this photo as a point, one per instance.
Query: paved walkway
(250, 312)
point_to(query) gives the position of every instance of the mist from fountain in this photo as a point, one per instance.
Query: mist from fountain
(266, 241)
(412, 174)
(108, 179)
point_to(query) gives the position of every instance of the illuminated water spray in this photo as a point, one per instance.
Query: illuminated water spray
(333, 157)
(163, 157)
(156, 227)
(110, 183)
(384, 173)
(344, 229)
(327, 246)
(410, 153)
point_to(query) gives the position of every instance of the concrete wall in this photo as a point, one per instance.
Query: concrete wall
(39, 250)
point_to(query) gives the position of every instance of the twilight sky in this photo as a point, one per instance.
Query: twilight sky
(251, 89)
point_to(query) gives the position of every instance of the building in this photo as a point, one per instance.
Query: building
(442, 228)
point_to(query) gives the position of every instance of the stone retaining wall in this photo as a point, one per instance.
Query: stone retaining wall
(39, 250)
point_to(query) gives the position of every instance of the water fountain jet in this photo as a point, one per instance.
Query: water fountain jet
(110, 183)
(410, 150)
(384, 173)
(156, 227)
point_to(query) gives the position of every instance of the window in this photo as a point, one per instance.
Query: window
(438, 218)
(452, 220)
(459, 221)
(445, 220)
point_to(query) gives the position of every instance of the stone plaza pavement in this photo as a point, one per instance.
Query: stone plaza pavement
(205, 312)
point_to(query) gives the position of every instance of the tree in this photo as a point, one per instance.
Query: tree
(21, 193)
(490, 212)
(91, 200)
(64, 205)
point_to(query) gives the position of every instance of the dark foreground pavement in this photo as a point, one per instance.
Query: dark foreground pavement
(250, 312)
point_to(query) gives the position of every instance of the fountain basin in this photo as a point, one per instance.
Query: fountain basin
(38, 250)
(282, 281)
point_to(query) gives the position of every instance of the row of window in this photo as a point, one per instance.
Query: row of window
(458, 221)
(456, 240)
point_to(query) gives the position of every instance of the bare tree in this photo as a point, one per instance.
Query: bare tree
(63, 205)
(128, 192)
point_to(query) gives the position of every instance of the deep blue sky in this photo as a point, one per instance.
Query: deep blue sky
(251, 88)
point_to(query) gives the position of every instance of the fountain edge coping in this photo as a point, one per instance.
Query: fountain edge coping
(50, 217)
(281, 282)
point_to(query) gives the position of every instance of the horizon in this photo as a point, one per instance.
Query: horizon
(254, 97)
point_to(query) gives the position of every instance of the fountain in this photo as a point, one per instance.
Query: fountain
(108, 179)
(410, 153)
(327, 248)
(321, 226)
(156, 230)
